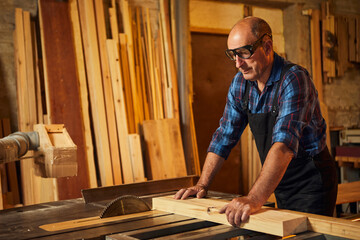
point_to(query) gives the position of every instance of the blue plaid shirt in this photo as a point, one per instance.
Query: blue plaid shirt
(299, 121)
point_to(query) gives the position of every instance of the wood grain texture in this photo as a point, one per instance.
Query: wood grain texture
(348, 192)
(165, 150)
(94, 77)
(90, 221)
(108, 95)
(267, 220)
(83, 90)
(120, 111)
(62, 87)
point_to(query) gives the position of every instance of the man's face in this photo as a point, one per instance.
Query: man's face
(253, 67)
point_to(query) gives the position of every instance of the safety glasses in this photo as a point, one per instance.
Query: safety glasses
(247, 51)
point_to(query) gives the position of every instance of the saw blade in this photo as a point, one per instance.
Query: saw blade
(123, 205)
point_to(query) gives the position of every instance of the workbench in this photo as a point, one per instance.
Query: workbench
(26, 222)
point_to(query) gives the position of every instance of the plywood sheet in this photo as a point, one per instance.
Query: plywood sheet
(165, 150)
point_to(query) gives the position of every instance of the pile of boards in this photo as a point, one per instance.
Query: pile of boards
(107, 71)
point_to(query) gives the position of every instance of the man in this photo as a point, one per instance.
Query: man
(279, 101)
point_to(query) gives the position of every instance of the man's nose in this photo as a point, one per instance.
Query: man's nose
(239, 61)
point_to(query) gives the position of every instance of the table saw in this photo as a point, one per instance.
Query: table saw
(79, 218)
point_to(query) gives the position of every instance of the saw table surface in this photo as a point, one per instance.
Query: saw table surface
(25, 223)
(79, 218)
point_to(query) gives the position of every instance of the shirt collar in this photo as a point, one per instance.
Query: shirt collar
(275, 71)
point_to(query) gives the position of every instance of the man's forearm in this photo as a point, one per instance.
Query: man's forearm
(212, 165)
(276, 163)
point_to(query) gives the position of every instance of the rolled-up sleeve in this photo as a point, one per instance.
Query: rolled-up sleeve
(297, 100)
(231, 125)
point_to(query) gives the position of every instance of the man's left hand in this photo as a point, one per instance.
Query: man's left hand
(239, 210)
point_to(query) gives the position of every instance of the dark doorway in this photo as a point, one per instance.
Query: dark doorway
(212, 75)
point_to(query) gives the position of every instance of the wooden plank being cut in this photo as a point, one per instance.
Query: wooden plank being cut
(267, 220)
(62, 88)
(165, 150)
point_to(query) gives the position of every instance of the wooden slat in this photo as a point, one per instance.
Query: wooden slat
(136, 157)
(266, 220)
(92, 60)
(117, 87)
(62, 88)
(343, 51)
(316, 51)
(83, 89)
(352, 37)
(109, 100)
(126, 18)
(91, 221)
(127, 83)
(165, 149)
(169, 56)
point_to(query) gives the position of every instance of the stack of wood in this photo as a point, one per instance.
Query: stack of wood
(107, 71)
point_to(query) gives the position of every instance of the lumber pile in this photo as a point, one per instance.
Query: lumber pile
(107, 71)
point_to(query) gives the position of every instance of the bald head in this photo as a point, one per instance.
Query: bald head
(254, 25)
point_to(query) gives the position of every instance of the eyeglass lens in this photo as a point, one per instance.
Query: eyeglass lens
(241, 52)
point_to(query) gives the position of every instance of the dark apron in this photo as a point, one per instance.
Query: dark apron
(309, 183)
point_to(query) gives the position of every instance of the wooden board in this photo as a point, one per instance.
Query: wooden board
(62, 89)
(120, 111)
(109, 100)
(92, 60)
(91, 221)
(348, 192)
(165, 150)
(136, 157)
(267, 220)
(83, 89)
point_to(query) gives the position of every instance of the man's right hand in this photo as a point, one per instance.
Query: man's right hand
(198, 190)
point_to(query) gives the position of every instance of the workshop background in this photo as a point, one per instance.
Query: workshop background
(189, 38)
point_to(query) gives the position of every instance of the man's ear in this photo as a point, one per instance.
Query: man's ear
(268, 46)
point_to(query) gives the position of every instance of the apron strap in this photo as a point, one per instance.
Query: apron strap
(245, 99)
(275, 105)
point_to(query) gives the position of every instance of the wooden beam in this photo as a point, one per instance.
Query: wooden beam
(92, 60)
(266, 220)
